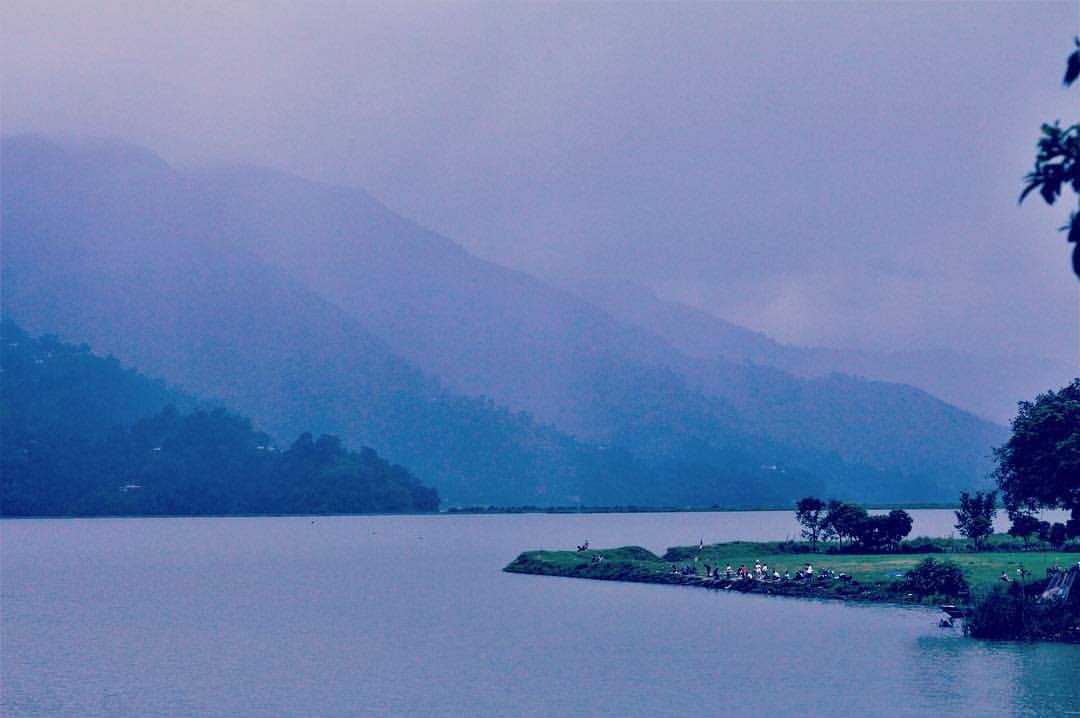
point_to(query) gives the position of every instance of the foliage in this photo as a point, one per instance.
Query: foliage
(1039, 466)
(883, 533)
(843, 520)
(809, 512)
(1057, 535)
(936, 578)
(60, 456)
(1012, 612)
(840, 520)
(1057, 163)
(1024, 525)
(975, 518)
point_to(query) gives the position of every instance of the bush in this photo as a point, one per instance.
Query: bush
(936, 578)
(1013, 613)
(922, 545)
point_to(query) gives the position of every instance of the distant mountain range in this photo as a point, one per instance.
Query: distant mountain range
(313, 307)
(986, 384)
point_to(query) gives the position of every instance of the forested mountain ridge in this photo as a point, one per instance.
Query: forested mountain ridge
(165, 270)
(84, 437)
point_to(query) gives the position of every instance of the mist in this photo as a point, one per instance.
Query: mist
(830, 174)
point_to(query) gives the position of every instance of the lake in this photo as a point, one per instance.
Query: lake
(412, 615)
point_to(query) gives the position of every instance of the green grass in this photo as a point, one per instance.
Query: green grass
(877, 577)
(980, 568)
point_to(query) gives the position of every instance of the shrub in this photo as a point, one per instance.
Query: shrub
(1013, 613)
(936, 578)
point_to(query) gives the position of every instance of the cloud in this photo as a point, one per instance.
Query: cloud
(831, 173)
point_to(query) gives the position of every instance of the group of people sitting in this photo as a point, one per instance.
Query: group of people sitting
(759, 572)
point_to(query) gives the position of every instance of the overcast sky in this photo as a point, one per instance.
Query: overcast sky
(838, 175)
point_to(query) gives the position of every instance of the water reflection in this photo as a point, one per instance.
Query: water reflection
(968, 677)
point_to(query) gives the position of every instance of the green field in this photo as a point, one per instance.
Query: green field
(877, 577)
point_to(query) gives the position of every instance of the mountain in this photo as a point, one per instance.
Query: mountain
(313, 307)
(106, 244)
(486, 329)
(68, 450)
(988, 385)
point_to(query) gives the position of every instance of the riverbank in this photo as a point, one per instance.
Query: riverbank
(878, 578)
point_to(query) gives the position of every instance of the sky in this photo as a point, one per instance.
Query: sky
(832, 174)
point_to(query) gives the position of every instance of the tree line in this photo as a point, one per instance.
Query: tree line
(850, 524)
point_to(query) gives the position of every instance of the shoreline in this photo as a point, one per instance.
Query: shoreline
(851, 577)
(492, 510)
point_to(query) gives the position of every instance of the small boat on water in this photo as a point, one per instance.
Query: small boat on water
(953, 611)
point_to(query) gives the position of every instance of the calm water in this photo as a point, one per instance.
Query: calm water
(412, 615)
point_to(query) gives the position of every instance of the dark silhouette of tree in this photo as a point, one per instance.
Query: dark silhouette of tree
(882, 533)
(1057, 164)
(1039, 466)
(843, 520)
(975, 518)
(810, 512)
(1024, 526)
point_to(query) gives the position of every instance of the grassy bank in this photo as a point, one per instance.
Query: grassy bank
(873, 577)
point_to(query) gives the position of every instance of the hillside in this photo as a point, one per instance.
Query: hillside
(136, 265)
(488, 330)
(84, 437)
(311, 307)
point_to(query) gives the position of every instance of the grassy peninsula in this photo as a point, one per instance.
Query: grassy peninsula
(871, 577)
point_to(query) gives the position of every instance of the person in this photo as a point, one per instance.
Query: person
(809, 572)
(787, 575)
(1005, 576)
(776, 575)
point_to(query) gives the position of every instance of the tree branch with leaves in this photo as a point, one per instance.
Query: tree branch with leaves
(1057, 164)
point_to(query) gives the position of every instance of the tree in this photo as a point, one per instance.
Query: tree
(975, 519)
(883, 533)
(843, 520)
(1057, 163)
(1024, 525)
(1057, 535)
(899, 526)
(809, 512)
(1039, 466)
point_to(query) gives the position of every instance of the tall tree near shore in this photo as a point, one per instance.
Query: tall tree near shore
(975, 518)
(810, 513)
(1039, 466)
